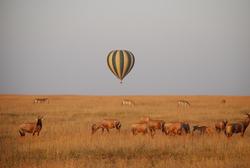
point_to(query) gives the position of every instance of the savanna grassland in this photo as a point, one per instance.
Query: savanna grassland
(66, 140)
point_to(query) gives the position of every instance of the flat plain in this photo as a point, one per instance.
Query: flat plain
(66, 141)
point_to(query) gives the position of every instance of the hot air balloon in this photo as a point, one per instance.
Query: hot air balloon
(120, 63)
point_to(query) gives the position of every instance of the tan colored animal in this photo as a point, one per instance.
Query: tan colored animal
(220, 126)
(239, 127)
(31, 127)
(41, 100)
(139, 128)
(176, 128)
(128, 102)
(153, 124)
(173, 128)
(183, 103)
(106, 124)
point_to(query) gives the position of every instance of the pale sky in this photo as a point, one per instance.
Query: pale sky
(181, 47)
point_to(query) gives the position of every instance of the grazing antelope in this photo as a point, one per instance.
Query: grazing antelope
(202, 130)
(240, 127)
(139, 128)
(127, 102)
(176, 128)
(220, 126)
(31, 127)
(106, 124)
(41, 100)
(153, 124)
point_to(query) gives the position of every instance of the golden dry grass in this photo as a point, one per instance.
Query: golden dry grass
(65, 140)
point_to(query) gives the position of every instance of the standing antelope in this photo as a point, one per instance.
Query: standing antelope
(176, 128)
(106, 124)
(183, 105)
(153, 124)
(128, 102)
(202, 129)
(220, 126)
(240, 127)
(41, 100)
(31, 127)
(139, 128)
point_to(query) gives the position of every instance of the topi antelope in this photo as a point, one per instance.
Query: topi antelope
(153, 124)
(176, 128)
(31, 127)
(128, 102)
(240, 127)
(202, 130)
(220, 126)
(139, 128)
(106, 124)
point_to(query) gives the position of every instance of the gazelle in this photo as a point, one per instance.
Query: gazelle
(41, 100)
(128, 102)
(183, 105)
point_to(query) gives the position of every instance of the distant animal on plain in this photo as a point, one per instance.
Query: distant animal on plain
(106, 124)
(238, 127)
(41, 100)
(139, 128)
(31, 127)
(223, 101)
(183, 105)
(127, 102)
(220, 126)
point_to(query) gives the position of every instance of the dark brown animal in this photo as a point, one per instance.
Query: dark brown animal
(223, 101)
(202, 130)
(185, 127)
(106, 124)
(239, 127)
(220, 126)
(31, 127)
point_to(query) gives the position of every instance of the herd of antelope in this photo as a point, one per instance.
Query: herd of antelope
(148, 125)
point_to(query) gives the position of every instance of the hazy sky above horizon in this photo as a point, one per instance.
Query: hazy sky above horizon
(194, 47)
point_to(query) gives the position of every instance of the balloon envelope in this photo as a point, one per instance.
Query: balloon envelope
(120, 62)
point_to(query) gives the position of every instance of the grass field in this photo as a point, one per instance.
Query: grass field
(66, 141)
